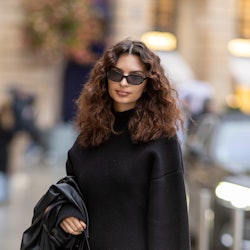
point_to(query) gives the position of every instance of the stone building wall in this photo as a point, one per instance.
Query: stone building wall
(130, 18)
(27, 71)
(21, 69)
(203, 30)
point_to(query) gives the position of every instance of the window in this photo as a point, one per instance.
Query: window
(164, 15)
(244, 19)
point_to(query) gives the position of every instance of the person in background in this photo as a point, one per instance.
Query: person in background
(127, 158)
(24, 111)
(7, 122)
(79, 62)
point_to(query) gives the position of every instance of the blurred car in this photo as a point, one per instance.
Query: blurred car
(218, 149)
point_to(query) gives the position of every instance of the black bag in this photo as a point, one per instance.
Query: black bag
(43, 234)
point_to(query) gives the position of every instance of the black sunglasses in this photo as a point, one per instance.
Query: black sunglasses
(117, 76)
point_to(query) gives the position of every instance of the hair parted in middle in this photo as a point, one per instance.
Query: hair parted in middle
(157, 113)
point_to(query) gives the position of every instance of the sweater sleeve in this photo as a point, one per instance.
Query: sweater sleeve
(168, 227)
(69, 210)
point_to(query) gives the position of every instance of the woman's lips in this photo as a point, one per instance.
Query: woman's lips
(122, 93)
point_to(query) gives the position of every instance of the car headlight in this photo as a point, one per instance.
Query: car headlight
(236, 195)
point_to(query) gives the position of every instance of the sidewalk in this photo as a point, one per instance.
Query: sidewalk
(27, 186)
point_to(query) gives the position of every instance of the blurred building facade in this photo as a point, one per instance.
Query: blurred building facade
(203, 29)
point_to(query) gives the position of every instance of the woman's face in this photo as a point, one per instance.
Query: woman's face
(125, 95)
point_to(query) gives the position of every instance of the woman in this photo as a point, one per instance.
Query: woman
(127, 158)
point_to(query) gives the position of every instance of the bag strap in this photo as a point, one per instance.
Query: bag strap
(87, 240)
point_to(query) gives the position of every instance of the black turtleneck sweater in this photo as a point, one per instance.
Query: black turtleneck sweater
(135, 193)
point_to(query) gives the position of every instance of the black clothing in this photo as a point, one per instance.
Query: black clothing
(6, 136)
(135, 193)
(44, 232)
(75, 75)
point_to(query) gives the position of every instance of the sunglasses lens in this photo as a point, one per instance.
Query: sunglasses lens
(117, 76)
(135, 79)
(114, 75)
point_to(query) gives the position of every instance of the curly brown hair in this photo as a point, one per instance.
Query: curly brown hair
(157, 113)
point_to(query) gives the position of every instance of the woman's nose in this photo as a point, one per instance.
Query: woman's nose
(124, 81)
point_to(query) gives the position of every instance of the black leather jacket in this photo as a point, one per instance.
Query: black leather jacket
(45, 232)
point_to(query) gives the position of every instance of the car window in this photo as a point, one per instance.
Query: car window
(232, 145)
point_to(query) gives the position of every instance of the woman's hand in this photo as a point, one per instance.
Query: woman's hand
(73, 225)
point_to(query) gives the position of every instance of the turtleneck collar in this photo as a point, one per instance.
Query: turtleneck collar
(122, 119)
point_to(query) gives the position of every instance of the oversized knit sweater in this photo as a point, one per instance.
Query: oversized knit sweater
(135, 193)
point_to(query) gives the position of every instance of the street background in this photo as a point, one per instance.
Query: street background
(42, 72)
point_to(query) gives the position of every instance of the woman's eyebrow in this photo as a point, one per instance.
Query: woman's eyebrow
(134, 71)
